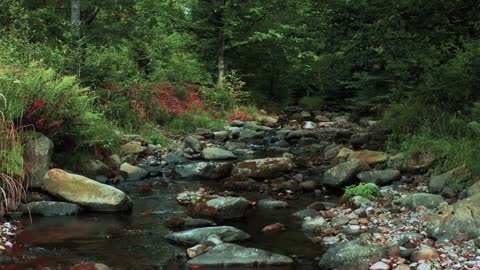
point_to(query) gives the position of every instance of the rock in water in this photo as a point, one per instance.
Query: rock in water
(412, 201)
(351, 255)
(131, 172)
(215, 153)
(225, 254)
(342, 174)
(85, 192)
(201, 235)
(223, 208)
(263, 168)
(380, 178)
(204, 170)
(37, 155)
(49, 209)
(460, 220)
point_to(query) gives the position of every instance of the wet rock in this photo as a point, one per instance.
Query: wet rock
(237, 123)
(193, 143)
(309, 125)
(247, 134)
(380, 266)
(215, 153)
(85, 192)
(201, 235)
(197, 250)
(380, 178)
(49, 209)
(131, 172)
(351, 255)
(309, 186)
(455, 180)
(361, 202)
(460, 220)
(178, 222)
(342, 174)
(114, 161)
(306, 213)
(425, 254)
(263, 168)
(204, 170)
(223, 208)
(370, 157)
(239, 183)
(92, 168)
(359, 140)
(314, 224)
(175, 158)
(133, 147)
(291, 185)
(321, 118)
(90, 266)
(277, 227)
(221, 135)
(412, 201)
(271, 204)
(231, 146)
(417, 163)
(332, 151)
(37, 155)
(226, 254)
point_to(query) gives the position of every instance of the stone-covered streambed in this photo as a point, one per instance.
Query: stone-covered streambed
(136, 240)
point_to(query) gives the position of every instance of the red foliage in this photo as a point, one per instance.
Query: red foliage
(165, 97)
(239, 115)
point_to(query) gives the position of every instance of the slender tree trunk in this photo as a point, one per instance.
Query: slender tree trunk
(76, 12)
(221, 58)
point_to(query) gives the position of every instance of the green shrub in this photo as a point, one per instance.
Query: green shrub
(181, 92)
(189, 122)
(311, 103)
(56, 106)
(227, 95)
(366, 190)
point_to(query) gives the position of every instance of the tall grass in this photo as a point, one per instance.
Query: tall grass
(12, 191)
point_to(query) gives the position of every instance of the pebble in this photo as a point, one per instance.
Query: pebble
(380, 266)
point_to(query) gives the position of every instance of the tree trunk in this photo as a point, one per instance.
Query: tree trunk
(221, 58)
(75, 12)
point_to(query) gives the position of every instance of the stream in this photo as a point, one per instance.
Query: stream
(135, 240)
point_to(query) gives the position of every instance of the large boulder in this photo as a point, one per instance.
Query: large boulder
(460, 220)
(352, 255)
(85, 192)
(263, 168)
(201, 235)
(379, 178)
(225, 255)
(38, 150)
(342, 174)
(216, 153)
(204, 170)
(48, 209)
(414, 200)
(247, 135)
(222, 208)
(94, 167)
(450, 182)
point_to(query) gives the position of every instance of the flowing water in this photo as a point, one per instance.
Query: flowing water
(135, 240)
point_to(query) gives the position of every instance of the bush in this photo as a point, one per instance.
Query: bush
(366, 190)
(182, 92)
(227, 95)
(56, 106)
(311, 103)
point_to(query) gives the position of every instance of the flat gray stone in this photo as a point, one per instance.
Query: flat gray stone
(201, 235)
(225, 255)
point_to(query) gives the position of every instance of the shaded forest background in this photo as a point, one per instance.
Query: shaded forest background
(76, 70)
